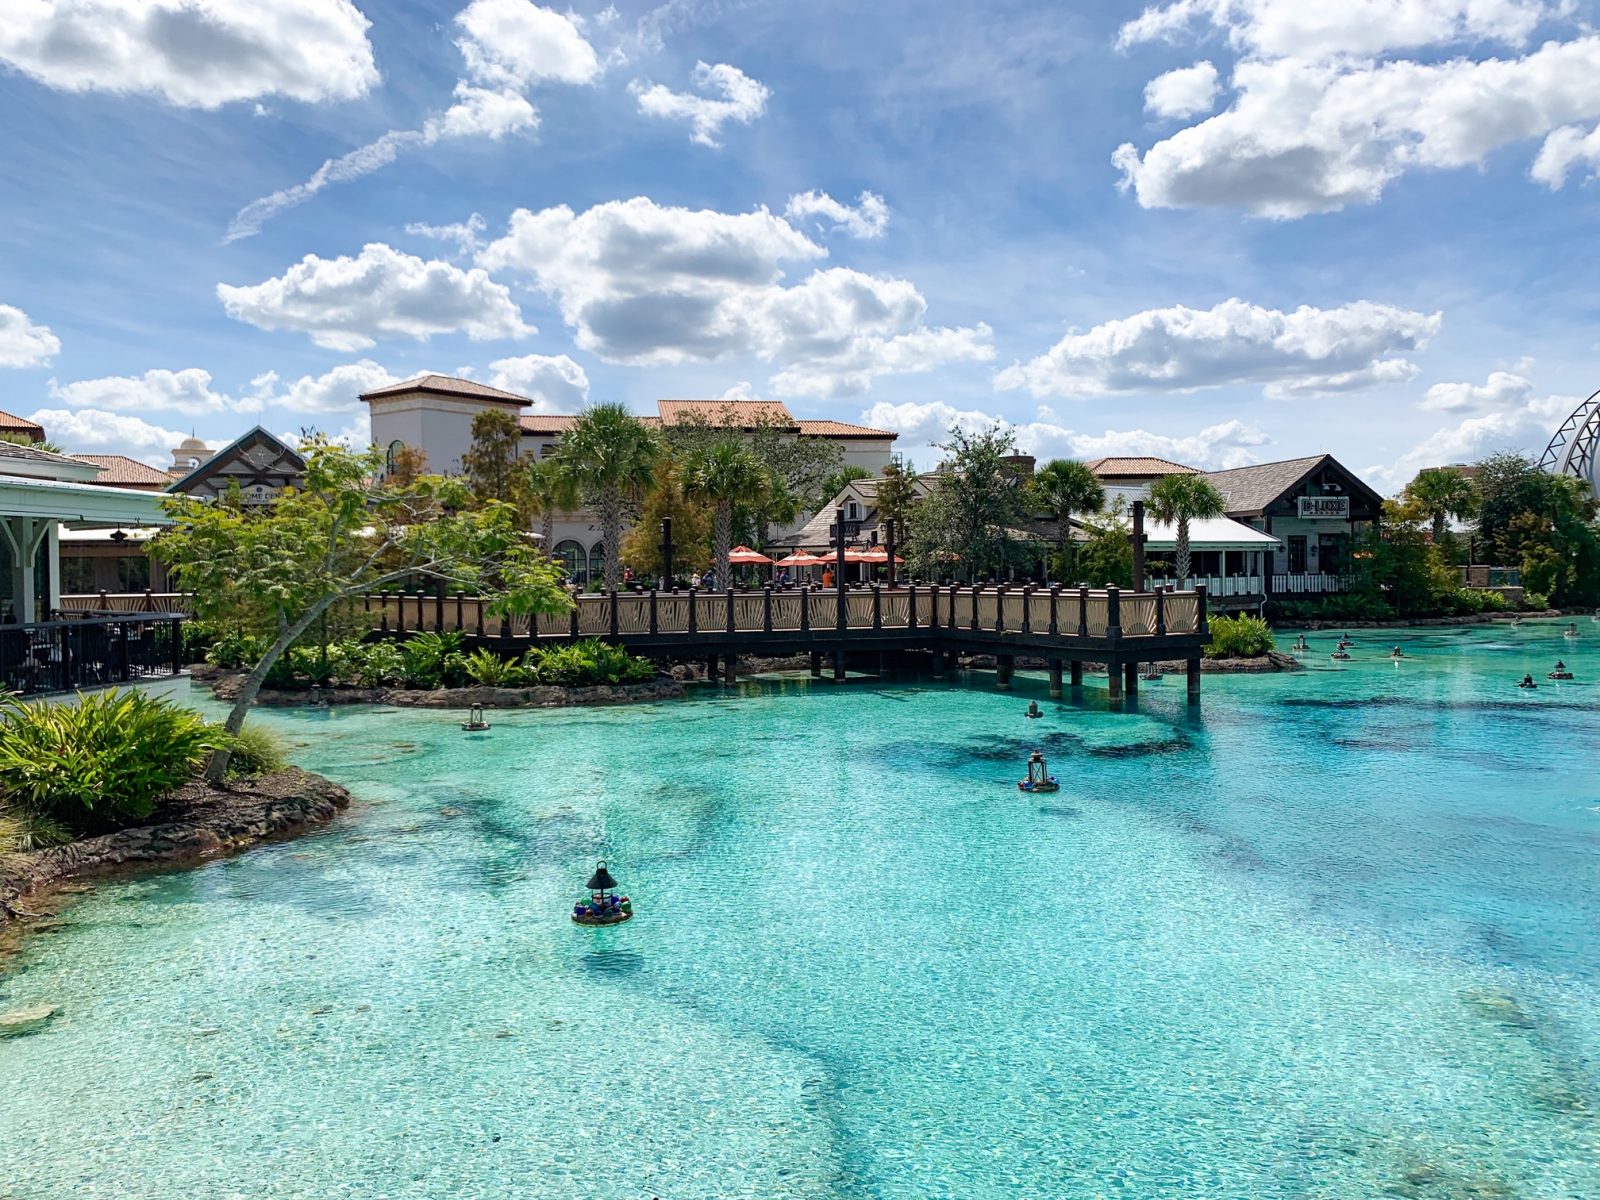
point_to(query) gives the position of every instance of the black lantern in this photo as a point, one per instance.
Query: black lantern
(1039, 778)
(475, 722)
(604, 906)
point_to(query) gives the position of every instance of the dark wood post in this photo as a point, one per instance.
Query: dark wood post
(1161, 612)
(666, 554)
(177, 647)
(1027, 595)
(1055, 679)
(1130, 678)
(1055, 596)
(1003, 666)
(766, 608)
(911, 607)
(1000, 608)
(1114, 683)
(478, 603)
(955, 591)
(1192, 670)
(730, 668)
(877, 608)
(816, 664)
(1083, 610)
(888, 531)
(1137, 535)
(438, 606)
(533, 627)
(577, 605)
(729, 625)
(1113, 615)
(838, 666)
(655, 621)
(400, 612)
(1202, 617)
(976, 588)
(694, 626)
(459, 601)
(614, 624)
(838, 579)
(383, 611)
(1075, 674)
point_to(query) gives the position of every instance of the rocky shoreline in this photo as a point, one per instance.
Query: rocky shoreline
(1414, 622)
(199, 821)
(225, 686)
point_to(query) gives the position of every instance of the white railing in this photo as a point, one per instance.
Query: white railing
(1310, 583)
(1216, 585)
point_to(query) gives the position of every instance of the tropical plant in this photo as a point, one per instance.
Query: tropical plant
(100, 760)
(487, 669)
(547, 492)
(22, 439)
(491, 463)
(836, 481)
(257, 750)
(430, 659)
(375, 664)
(234, 649)
(897, 496)
(609, 455)
(691, 526)
(1106, 558)
(1061, 488)
(1440, 493)
(277, 568)
(723, 475)
(1179, 499)
(587, 664)
(22, 831)
(1242, 636)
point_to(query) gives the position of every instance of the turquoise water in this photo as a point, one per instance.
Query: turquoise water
(1333, 936)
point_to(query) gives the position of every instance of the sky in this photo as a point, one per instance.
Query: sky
(1219, 231)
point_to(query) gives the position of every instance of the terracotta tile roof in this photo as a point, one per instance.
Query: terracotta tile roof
(535, 424)
(11, 424)
(842, 429)
(1113, 468)
(118, 470)
(445, 385)
(715, 412)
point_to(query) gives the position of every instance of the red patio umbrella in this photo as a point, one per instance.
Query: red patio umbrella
(802, 558)
(741, 556)
(875, 555)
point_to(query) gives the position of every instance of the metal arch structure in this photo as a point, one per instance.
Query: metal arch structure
(1575, 448)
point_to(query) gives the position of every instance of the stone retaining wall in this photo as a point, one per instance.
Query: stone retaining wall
(227, 686)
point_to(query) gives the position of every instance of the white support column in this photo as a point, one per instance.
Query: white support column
(53, 569)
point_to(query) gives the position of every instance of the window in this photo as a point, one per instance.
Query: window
(77, 574)
(597, 565)
(1297, 553)
(573, 560)
(392, 459)
(133, 573)
(852, 511)
(1333, 553)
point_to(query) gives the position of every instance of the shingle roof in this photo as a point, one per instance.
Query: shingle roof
(12, 424)
(842, 429)
(1115, 468)
(1251, 489)
(715, 412)
(446, 385)
(11, 450)
(120, 470)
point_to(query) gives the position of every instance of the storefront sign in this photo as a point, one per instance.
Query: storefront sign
(1325, 508)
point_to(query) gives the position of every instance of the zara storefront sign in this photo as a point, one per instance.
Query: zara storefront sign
(1325, 508)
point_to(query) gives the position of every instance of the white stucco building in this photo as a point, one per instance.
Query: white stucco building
(433, 414)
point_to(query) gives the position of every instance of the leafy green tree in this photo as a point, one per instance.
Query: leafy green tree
(347, 531)
(898, 494)
(691, 526)
(1402, 563)
(836, 481)
(609, 456)
(725, 474)
(1439, 494)
(1542, 523)
(1179, 499)
(491, 464)
(1061, 488)
(546, 492)
(968, 521)
(1106, 559)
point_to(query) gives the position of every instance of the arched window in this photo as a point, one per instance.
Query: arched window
(597, 565)
(573, 560)
(396, 449)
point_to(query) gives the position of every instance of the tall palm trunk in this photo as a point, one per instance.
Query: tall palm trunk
(1183, 551)
(722, 540)
(611, 535)
(1438, 528)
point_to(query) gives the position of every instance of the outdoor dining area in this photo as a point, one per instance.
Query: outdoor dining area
(870, 563)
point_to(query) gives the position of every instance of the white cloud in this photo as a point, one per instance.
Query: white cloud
(555, 383)
(1229, 444)
(1526, 426)
(92, 430)
(1310, 351)
(187, 391)
(1303, 29)
(477, 112)
(646, 284)
(22, 343)
(347, 303)
(742, 99)
(1306, 136)
(1564, 149)
(335, 391)
(868, 219)
(1186, 92)
(467, 235)
(193, 53)
(1502, 390)
(357, 435)
(514, 43)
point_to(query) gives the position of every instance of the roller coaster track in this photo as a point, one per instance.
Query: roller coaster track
(1572, 450)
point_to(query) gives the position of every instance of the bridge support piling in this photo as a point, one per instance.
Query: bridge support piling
(1114, 684)
(711, 666)
(1130, 678)
(816, 664)
(838, 666)
(938, 664)
(1055, 679)
(1192, 670)
(730, 667)
(883, 665)
(1003, 666)
(1076, 675)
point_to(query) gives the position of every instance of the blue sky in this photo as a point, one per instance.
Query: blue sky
(1219, 230)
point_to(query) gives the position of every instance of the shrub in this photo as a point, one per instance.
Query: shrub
(373, 664)
(431, 659)
(488, 669)
(587, 664)
(257, 750)
(1243, 636)
(102, 760)
(1347, 606)
(21, 831)
(233, 650)
(1471, 601)
(1535, 601)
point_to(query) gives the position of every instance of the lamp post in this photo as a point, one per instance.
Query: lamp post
(666, 554)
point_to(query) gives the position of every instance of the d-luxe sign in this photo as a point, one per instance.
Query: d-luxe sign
(1325, 507)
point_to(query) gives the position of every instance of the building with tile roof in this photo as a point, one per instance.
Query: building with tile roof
(21, 427)
(118, 470)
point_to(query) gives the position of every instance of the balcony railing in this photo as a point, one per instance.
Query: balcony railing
(1311, 584)
(1218, 586)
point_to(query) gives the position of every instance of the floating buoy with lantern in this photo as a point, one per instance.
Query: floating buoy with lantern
(1039, 778)
(1151, 673)
(1300, 646)
(604, 906)
(475, 722)
(1340, 655)
(1572, 630)
(1034, 712)
(1561, 671)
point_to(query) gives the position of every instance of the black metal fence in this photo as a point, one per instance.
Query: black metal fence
(63, 656)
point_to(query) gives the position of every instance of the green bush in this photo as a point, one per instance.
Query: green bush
(100, 761)
(1243, 636)
(21, 831)
(588, 664)
(233, 650)
(1347, 606)
(432, 660)
(1535, 601)
(257, 750)
(373, 664)
(487, 669)
(1471, 601)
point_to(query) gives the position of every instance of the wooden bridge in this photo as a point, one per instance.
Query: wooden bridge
(1066, 627)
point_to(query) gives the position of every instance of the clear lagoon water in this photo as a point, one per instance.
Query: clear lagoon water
(1336, 935)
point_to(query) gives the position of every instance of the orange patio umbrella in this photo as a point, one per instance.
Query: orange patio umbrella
(801, 558)
(741, 556)
(875, 555)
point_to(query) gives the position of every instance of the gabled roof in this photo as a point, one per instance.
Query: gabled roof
(1137, 466)
(13, 424)
(284, 450)
(742, 414)
(118, 470)
(1249, 490)
(446, 385)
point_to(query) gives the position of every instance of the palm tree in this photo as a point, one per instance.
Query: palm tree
(608, 455)
(1440, 493)
(547, 491)
(725, 473)
(1179, 499)
(1062, 487)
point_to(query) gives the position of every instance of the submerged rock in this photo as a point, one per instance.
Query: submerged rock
(20, 1021)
